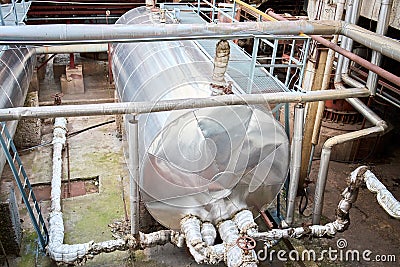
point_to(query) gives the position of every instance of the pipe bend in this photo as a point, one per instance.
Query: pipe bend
(339, 139)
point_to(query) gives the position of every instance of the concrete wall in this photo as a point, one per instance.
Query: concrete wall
(28, 132)
(10, 225)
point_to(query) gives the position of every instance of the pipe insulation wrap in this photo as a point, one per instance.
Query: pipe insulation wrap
(235, 256)
(77, 253)
(384, 197)
(59, 138)
(342, 222)
(208, 233)
(245, 222)
(221, 62)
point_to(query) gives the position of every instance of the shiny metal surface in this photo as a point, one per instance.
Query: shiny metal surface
(16, 68)
(210, 162)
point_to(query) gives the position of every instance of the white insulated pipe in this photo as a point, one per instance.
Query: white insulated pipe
(177, 104)
(76, 33)
(339, 63)
(349, 196)
(355, 14)
(77, 253)
(228, 251)
(387, 201)
(381, 28)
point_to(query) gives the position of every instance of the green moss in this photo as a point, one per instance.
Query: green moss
(28, 249)
(140, 256)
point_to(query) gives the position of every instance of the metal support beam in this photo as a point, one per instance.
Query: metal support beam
(133, 143)
(295, 162)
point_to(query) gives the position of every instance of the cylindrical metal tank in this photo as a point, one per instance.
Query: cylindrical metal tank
(210, 162)
(16, 69)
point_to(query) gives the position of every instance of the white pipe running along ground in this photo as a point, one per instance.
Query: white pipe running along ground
(76, 253)
(56, 248)
(342, 222)
(387, 201)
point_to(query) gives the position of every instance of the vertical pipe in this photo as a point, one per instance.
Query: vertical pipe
(133, 142)
(320, 186)
(339, 64)
(381, 28)
(355, 14)
(71, 61)
(331, 54)
(327, 78)
(295, 163)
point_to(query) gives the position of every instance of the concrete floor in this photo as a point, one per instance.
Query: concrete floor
(100, 152)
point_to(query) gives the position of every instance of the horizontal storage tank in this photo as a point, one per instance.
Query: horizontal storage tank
(16, 69)
(210, 162)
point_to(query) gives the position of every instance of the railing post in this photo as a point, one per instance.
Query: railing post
(234, 11)
(14, 7)
(305, 55)
(253, 64)
(290, 62)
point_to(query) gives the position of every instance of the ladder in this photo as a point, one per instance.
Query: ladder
(24, 185)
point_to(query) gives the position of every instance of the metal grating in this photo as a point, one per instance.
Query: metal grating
(239, 62)
(8, 13)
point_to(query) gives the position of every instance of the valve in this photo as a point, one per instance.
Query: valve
(246, 243)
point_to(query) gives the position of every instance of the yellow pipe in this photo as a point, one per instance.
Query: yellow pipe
(259, 12)
(268, 17)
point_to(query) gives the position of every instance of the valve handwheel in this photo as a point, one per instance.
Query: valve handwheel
(246, 243)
